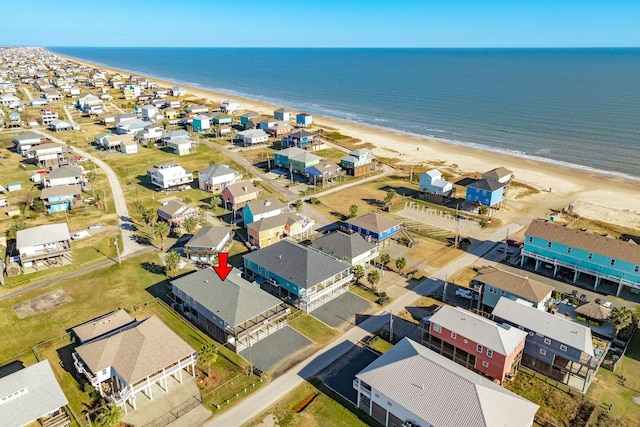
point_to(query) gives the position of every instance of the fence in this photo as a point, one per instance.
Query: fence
(180, 410)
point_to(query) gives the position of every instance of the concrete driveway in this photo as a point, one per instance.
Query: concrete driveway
(341, 312)
(339, 376)
(269, 351)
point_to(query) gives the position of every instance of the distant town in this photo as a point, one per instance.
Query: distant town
(171, 259)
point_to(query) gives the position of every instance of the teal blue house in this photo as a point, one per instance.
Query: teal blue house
(563, 250)
(304, 119)
(60, 198)
(222, 119)
(487, 192)
(201, 123)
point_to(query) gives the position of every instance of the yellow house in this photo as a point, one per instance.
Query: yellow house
(268, 231)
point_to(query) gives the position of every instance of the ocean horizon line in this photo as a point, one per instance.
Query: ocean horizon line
(352, 47)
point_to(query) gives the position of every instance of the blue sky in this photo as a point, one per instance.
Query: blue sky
(323, 23)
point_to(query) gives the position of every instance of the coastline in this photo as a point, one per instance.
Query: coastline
(594, 194)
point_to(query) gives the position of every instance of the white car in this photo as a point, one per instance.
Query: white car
(94, 226)
(464, 293)
(606, 304)
(80, 235)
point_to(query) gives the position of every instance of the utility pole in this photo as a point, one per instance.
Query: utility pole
(457, 229)
(115, 242)
(104, 192)
(390, 326)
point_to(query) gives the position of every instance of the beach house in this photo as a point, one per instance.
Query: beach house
(168, 176)
(485, 192)
(65, 175)
(358, 162)
(295, 159)
(47, 115)
(61, 197)
(431, 182)
(270, 230)
(57, 125)
(350, 248)
(236, 196)
(300, 138)
(25, 141)
(374, 227)
(217, 177)
(50, 154)
(491, 284)
(201, 123)
(597, 261)
(45, 245)
(181, 146)
(256, 210)
(207, 242)
(175, 212)
(253, 136)
(282, 114)
(323, 173)
(230, 106)
(500, 174)
(221, 119)
(304, 119)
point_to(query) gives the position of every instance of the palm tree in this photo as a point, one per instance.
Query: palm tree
(401, 263)
(162, 230)
(358, 272)
(215, 202)
(109, 416)
(207, 355)
(172, 263)
(150, 217)
(385, 259)
(353, 211)
(373, 277)
(391, 194)
(621, 317)
(190, 224)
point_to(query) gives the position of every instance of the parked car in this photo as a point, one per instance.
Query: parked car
(94, 226)
(502, 249)
(514, 243)
(80, 235)
(464, 293)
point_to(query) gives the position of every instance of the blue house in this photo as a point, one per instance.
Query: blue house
(487, 192)
(304, 119)
(201, 123)
(301, 139)
(493, 284)
(61, 197)
(556, 347)
(358, 162)
(244, 119)
(298, 274)
(373, 226)
(256, 210)
(564, 250)
(222, 119)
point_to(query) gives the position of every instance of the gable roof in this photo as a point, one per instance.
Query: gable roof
(343, 245)
(443, 393)
(503, 339)
(555, 327)
(208, 237)
(261, 206)
(172, 207)
(290, 152)
(296, 263)
(617, 249)
(240, 188)
(300, 134)
(497, 173)
(217, 170)
(233, 300)
(65, 172)
(41, 235)
(486, 184)
(102, 325)
(517, 285)
(61, 190)
(42, 395)
(28, 136)
(137, 352)
(280, 220)
(373, 221)
(323, 167)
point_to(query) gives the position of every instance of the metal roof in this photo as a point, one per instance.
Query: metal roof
(42, 395)
(233, 300)
(442, 393)
(42, 235)
(503, 339)
(512, 283)
(296, 263)
(551, 326)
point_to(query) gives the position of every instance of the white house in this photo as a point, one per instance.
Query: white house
(131, 127)
(149, 112)
(432, 182)
(178, 91)
(128, 146)
(229, 106)
(181, 146)
(282, 115)
(152, 132)
(25, 141)
(6, 100)
(168, 176)
(65, 175)
(216, 178)
(253, 136)
(42, 244)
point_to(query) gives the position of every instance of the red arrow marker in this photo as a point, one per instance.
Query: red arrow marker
(222, 268)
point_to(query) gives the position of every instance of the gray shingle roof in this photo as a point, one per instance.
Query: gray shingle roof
(517, 285)
(486, 184)
(373, 221)
(65, 172)
(261, 206)
(61, 190)
(343, 245)
(208, 237)
(443, 393)
(554, 327)
(233, 300)
(296, 263)
(43, 395)
(42, 235)
(503, 339)
(274, 221)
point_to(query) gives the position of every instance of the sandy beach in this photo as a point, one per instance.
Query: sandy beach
(596, 196)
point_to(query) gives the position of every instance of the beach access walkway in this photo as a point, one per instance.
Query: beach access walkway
(265, 398)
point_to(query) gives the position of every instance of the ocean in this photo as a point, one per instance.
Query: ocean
(578, 107)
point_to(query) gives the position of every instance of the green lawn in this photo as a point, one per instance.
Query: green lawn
(381, 346)
(362, 292)
(313, 329)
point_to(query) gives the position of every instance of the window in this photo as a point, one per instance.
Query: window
(530, 333)
(485, 363)
(489, 353)
(548, 244)
(479, 348)
(530, 239)
(636, 268)
(613, 261)
(543, 352)
(590, 256)
(568, 250)
(454, 335)
(437, 328)
(563, 347)
(547, 341)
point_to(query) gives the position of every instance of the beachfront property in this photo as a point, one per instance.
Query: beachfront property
(216, 178)
(295, 159)
(325, 173)
(304, 119)
(47, 115)
(256, 210)
(358, 162)
(237, 195)
(178, 91)
(168, 176)
(25, 141)
(270, 230)
(175, 212)
(61, 198)
(32, 396)
(201, 123)
(57, 125)
(477, 343)
(575, 254)
(300, 138)
(234, 311)
(374, 227)
(557, 347)
(350, 248)
(500, 174)
(491, 284)
(230, 106)
(485, 192)
(44, 246)
(207, 242)
(431, 182)
(50, 154)
(253, 136)
(300, 275)
(282, 114)
(410, 385)
(152, 355)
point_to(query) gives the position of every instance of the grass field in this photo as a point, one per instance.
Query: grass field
(313, 329)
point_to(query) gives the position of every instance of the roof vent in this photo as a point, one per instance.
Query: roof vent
(267, 203)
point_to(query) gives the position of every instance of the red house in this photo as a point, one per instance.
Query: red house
(479, 344)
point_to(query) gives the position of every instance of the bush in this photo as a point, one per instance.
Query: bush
(300, 406)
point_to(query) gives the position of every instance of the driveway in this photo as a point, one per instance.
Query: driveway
(341, 311)
(269, 351)
(339, 376)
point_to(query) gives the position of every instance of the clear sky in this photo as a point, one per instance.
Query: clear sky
(322, 23)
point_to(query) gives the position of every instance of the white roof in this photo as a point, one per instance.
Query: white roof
(42, 235)
(441, 392)
(42, 395)
(434, 173)
(502, 339)
(554, 327)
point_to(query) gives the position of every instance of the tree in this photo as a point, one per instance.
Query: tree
(353, 211)
(401, 263)
(172, 263)
(215, 202)
(109, 416)
(385, 259)
(15, 227)
(358, 272)
(298, 204)
(190, 224)
(150, 217)
(483, 210)
(373, 277)
(207, 355)
(391, 194)
(38, 206)
(162, 230)
(621, 317)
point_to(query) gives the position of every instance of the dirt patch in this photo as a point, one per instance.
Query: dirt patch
(42, 303)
